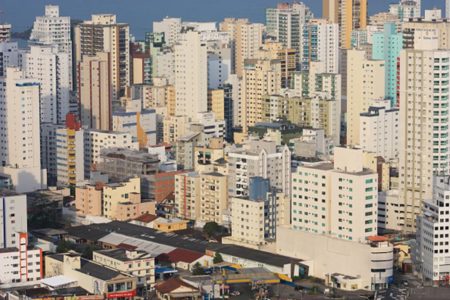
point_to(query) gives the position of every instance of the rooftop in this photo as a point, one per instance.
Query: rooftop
(123, 255)
(254, 255)
(146, 218)
(57, 281)
(171, 285)
(117, 232)
(181, 255)
(131, 155)
(97, 270)
(88, 267)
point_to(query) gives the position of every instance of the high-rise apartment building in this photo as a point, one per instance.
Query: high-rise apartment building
(14, 218)
(201, 196)
(9, 56)
(70, 153)
(319, 93)
(319, 112)
(103, 34)
(287, 57)
(424, 125)
(432, 250)
(255, 218)
(338, 200)
(5, 32)
(365, 83)
(191, 76)
(349, 14)
(20, 130)
(419, 31)
(219, 63)
(406, 9)
(319, 41)
(170, 28)
(262, 77)
(95, 141)
(95, 91)
(379, 131)
(246, 39)
(214, 197)
(53, 29)
(284, 23)
(447, 8)
(52, 68)
(259, 158)
(48, 150)
(386, 46)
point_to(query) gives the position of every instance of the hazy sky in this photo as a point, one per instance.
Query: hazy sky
(141, 13)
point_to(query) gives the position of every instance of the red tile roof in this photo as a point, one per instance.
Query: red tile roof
(182, 255)
(377, 238)
(172, 284)
(147, 218)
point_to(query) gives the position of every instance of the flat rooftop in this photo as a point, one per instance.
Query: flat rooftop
(116, 231)
(121, 254)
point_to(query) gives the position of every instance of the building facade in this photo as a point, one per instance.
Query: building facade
(432, 250)
(424, 141)
(20, 156)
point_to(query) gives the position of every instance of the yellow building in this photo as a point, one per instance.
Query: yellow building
(262, 77)
(174, 128)
(213, 197)
(315, 112)
(349, 14)
(287, 57)
(169, 225)
(122, 201)
(402, 252)
(201, 197)
(247, 39)
(216, 103)
(365, 83)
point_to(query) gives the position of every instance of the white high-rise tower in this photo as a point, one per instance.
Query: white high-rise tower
(52, 68)
(20, 155)
(191, 76)
(52, 29)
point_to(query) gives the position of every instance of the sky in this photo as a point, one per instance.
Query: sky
(141, 13)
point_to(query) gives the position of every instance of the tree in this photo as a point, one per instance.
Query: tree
(211, 229)
(197, 269)
(64, 246)
(217, 258)
(88, 250)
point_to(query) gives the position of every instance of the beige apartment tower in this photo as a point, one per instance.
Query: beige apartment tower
(247, 39)
(94, 89)
(424, 127)
(262, 77)
(365, 83)
(103, 34)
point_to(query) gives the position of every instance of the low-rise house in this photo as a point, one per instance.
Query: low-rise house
(185, 259)
(91, 276)
(175, 288)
